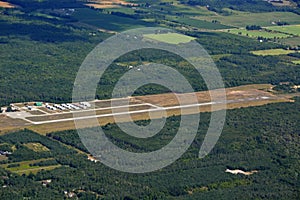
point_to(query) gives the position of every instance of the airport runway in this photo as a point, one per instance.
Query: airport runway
(154, 109)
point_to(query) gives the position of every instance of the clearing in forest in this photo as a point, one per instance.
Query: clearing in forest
(272, 52)
(171, 38)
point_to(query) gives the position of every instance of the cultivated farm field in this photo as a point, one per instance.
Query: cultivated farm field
(172, 38)
(242, 19)
(290, 29)
(258, 33)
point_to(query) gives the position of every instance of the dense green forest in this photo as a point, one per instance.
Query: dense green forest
(43, 43)
(43, 60)
(264, 138)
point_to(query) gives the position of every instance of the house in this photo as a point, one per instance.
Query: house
(5, 153)
(46, 182)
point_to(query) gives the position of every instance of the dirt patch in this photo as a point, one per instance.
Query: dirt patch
(280, 2)
(2, 157)
(110, 4)
(6, 5)
(238, 171)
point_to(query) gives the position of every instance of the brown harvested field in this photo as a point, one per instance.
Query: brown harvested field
(109, 4)
(6, 5)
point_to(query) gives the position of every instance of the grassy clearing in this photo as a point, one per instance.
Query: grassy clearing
(242, 19)
(256, 33)
(34, 170)
(272, 52)
(25, 168)
(297, 62)
(171, 38)
(291, 29)
(37, 147)
(219, 56)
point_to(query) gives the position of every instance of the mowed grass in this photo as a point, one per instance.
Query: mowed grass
(25, 168)
(258, 33)
(291, 29)
(171, 38)
(242, 19)
(272, 52)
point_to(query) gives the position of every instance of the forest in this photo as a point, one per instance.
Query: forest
(43, 47)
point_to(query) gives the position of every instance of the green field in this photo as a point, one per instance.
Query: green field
(242, 19)
(25, 168)
(256, 33)
(291, 29)
(171, 38)
(297, 62)
(272, 52)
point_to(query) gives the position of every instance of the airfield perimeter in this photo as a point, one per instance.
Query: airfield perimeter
(43, 120)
